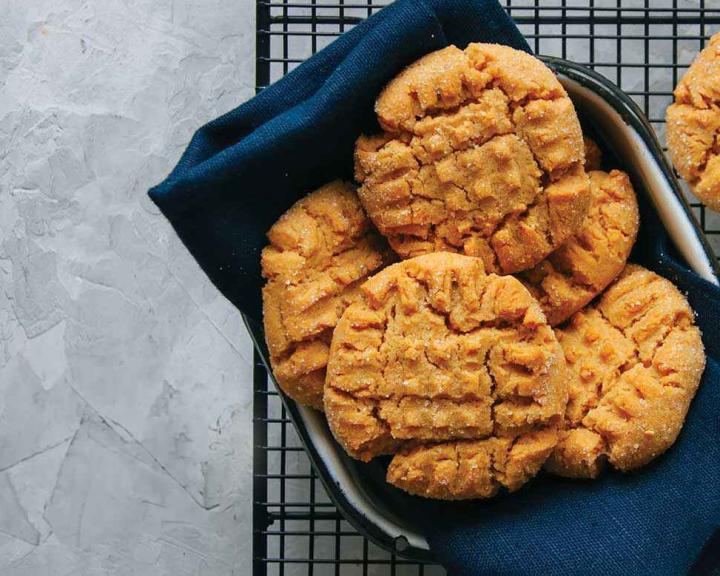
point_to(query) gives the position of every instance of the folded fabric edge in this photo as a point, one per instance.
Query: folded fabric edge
(203, 158)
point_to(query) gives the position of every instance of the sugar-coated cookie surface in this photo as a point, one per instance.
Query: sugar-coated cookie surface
(482, 154)
(320, 251)
(693, 125)
(636, 360)
(451, 367)
(583, 267)
(472, 469)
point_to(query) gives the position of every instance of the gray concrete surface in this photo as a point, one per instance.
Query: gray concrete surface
(125, 393)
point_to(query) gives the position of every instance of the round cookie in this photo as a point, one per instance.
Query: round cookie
(636, 358)
(693, 125)
(320, 251)
(481, 154)
(455, 369)
(583, 267)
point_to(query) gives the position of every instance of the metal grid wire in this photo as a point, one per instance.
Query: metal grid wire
(643, 46)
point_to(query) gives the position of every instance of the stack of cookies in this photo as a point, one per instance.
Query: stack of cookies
(467, 308)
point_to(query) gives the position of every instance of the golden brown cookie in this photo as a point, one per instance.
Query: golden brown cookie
(593, 154)
(481, 154)
(583, 267)
(636, 359)
(693, 125)
(457, 369)
(320, 251)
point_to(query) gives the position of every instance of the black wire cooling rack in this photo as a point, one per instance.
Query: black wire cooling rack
(643, 46)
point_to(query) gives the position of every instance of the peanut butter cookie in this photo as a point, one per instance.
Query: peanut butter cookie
(320, 251)
(583, 267)
(481, 154)
(456, 369)
(693, 125)
(636, 359)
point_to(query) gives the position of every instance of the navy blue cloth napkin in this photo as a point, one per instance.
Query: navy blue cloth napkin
(241, 171)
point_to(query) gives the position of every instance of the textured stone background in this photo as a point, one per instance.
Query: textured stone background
(125, 393)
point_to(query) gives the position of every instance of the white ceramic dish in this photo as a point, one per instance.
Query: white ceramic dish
(358, 489)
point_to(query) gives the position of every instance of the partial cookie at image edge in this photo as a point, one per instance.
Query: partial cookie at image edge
(693, 125)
